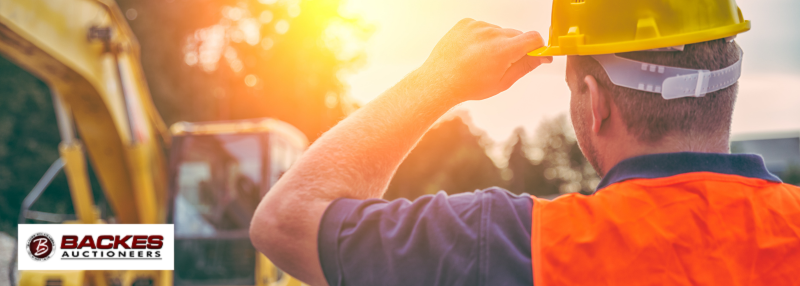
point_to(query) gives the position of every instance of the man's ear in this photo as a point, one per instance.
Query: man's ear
(600, 108)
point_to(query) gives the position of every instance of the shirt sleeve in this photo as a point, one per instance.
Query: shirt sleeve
(480, 238)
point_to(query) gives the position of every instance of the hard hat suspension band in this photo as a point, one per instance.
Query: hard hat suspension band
(670, 82)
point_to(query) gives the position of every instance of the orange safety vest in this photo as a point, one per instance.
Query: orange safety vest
(696, 228)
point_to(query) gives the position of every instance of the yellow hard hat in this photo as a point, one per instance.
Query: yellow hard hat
(593, 27)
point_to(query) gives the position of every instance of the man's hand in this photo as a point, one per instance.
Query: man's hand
(476, 60)
(356, 159)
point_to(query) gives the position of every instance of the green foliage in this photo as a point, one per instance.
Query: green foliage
(28, 144)
(551, 164)
(791, 175)
(29, 141)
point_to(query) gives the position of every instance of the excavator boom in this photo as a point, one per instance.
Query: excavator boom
(89, 58)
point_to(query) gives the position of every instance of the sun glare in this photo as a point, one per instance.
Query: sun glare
(264, 24)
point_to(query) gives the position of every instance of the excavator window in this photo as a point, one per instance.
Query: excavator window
(217, 184)
(217, 181)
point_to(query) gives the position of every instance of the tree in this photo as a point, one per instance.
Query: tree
(550, 165)
(518, 163)
(453, 157)
(450, 157)
(236, 59)
(527, 177)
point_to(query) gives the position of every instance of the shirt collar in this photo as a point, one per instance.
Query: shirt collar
(670, 164)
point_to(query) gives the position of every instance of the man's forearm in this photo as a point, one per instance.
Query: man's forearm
(357, 158)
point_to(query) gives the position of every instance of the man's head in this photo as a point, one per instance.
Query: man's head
(613, 123)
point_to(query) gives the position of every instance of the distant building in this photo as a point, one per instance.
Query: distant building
(781, 151)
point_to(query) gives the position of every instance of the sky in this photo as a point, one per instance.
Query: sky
(406, 32)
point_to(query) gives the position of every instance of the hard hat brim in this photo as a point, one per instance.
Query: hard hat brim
(645, 44)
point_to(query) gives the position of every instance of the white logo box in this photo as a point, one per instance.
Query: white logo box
(119, 258)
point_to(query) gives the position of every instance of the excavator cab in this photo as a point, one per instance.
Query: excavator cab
(219, 171)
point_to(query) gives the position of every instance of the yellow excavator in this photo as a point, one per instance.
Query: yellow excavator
(207, 182)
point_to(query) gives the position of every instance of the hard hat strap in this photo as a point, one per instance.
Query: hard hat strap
(671, 82)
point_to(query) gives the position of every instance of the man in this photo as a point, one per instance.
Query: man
(674, 207)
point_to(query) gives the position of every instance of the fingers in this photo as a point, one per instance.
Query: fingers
(496, 55)
(525, 43)
(520, 68)
(523, 64)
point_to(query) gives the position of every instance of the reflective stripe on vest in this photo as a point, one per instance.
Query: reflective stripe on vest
(690, 229)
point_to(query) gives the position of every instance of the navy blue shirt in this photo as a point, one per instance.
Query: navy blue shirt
(480, 238)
